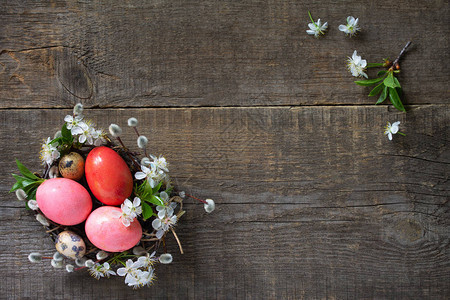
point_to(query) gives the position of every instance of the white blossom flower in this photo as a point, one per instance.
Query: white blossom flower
(106, 269)
(160, 163)
(74, 123)
(153, 175)
(391, 129)
(100, 137)
(32, 204)
(167, 208)
(162, 225)
(49, 153)
(352, 26)
(141, 278)
(147, 260)
(70, 268)
(209, 205)
(165, 258)
(315, 28)
(130, 210)
(88, 134)
(35, 257)
(356, 65)
(101, 270)
(129, 270)
(21, 195)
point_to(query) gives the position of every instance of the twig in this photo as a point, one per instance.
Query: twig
(395, 63)
(190, 196)
(149, 240)
(178, 241)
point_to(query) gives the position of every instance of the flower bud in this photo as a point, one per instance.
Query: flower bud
(101, 255)
(21, 195)
(209, 205)
(142, 142)
(69, 268)
(35, 257)
(80, 261)
(132, 122)
(115, 130)
(58, 256)
(397, 66)
(89, 263)
(32, 204)
(58, 134)
(42, 220)
(182, 194)
(139, 251)
(56, 264)
(78, 109)
(53, 172)
(145, 162)
(165, 258)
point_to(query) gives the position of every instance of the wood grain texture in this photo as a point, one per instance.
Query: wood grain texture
(312, 203)
(212, 53)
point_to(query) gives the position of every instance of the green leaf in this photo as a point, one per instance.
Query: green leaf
(66, 134)
(16, 186)
(395, 99)
(382, 72)
(23, 180)
(155, 200)
(156, 188)
(383, 95)
(369, 82)
(389, 81)
(372, 65)
(25, 172)
(147, 211)
(376, 90)
(397, 84)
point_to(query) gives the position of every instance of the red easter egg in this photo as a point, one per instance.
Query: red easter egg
(105, 230)
(64, 201)
(108, 176)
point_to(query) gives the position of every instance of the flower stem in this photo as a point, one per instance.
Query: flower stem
(178, 241)
(401, 54)
(190, 196)
(311, 18)
(401, 133)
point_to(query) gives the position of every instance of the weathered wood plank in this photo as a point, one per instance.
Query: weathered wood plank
(213, 53)
(312, 202)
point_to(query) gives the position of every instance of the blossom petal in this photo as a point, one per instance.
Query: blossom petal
(121, 271)
(343, 28)
(156, 224)
(312, 26)
(140, 175)
(390, 136)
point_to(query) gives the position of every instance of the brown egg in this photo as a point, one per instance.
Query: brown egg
(71, 166)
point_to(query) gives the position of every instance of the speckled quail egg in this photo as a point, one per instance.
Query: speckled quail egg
(70, 244)
(71, 166)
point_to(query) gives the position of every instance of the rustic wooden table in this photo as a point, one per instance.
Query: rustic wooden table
(313, 201)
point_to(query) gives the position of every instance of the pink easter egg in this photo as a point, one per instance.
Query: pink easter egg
(64, 201)
(105, 230)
